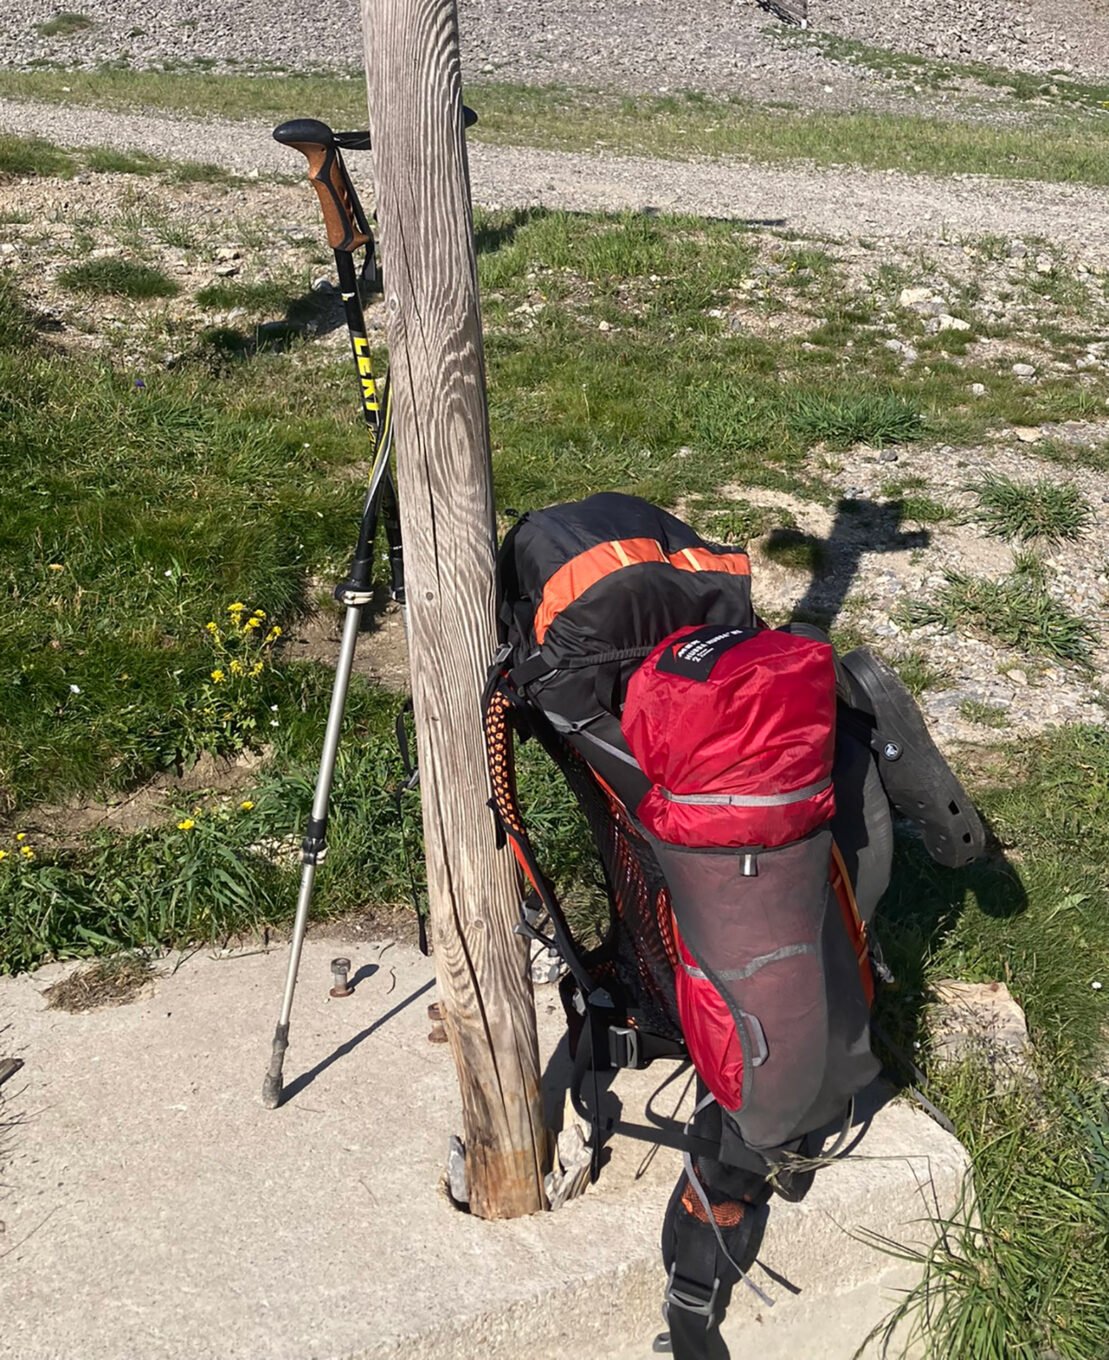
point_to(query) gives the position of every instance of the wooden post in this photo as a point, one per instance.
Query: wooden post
(447, 521)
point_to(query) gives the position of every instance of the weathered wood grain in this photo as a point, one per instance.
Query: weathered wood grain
(447, 520)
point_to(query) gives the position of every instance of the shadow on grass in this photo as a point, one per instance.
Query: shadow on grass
(860, 528)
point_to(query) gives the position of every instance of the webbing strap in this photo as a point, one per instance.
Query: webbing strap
(702, 1195)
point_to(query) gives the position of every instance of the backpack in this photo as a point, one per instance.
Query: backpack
(732, 790)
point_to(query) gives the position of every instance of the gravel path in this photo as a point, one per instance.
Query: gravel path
(833, 202)
(726, 46)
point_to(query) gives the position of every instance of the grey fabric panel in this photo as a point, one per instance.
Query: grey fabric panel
(775, 948)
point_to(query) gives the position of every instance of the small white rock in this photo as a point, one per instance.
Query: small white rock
(1028, 434)
(1024, 371)
(978, 389)
(1045, 264)
(1017, 676)
(914, 297)
(952, 323)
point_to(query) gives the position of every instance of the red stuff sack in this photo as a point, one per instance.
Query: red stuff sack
(735, 728)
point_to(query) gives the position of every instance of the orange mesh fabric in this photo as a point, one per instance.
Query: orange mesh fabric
(728, 1213)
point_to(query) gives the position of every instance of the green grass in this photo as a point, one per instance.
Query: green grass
(28, 156)
(64, 24)
(263, 296)
(1046, 510)
(1017, 611)
(937, 73)
(112, 276)
(919, 675)
(109, 160)
(680, 126)
(1024, 1278)
(141, 501)
(983, 714)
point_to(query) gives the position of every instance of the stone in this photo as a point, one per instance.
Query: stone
(1017, 250)
(914, 297)
(978, 389)
(981, 1020)
(1017, 676)
(896, 346)
(888, 456)
(947, 322)
(1024, 371)
(228, 253)
(225, 271)
(1045, 264)
(1028, 434)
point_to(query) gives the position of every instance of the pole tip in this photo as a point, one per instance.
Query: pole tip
(271, 1091)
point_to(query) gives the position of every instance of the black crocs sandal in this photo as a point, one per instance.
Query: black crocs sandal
(918, 781)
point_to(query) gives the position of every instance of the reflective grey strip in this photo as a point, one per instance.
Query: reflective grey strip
(607, 746)
(787, 951)
(747, 800)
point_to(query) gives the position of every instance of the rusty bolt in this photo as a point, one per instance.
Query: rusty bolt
(340, 969)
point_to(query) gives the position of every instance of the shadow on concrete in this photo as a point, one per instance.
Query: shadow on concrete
(305, 1079)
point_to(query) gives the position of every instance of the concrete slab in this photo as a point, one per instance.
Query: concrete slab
(153, 1208)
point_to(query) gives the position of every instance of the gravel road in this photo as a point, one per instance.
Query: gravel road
(832, 202)
(724, 46)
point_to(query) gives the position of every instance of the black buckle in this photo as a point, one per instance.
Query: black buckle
(690, 1296)
(623, 1046)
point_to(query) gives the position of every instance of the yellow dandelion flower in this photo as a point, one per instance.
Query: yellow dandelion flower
(212, 626)
(251, 624)
(186, 825)
(273, 634)
(3, 854)
(236, 608)
(236, 668)
(259, 613)
(257, 669)
(26, 852)
(246, 805)
(218, 676)
(22, 836)
(56, 566)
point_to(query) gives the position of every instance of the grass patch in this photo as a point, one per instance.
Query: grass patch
(918, 675)
(843, 418)
(265, 296)
(105, 160)
(112, 276)
(27, 156)
(1017, 611)
(64, 24)
(1044, 509)
(1061, 147)
(983, 714)
(792, 548)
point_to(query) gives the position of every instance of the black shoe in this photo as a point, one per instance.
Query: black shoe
(918, 781)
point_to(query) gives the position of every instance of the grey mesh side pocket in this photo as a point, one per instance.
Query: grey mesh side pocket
(765, 929)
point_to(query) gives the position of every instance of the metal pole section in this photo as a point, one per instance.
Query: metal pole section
(313, 848)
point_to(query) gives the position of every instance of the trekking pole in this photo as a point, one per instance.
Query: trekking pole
(347, 231)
